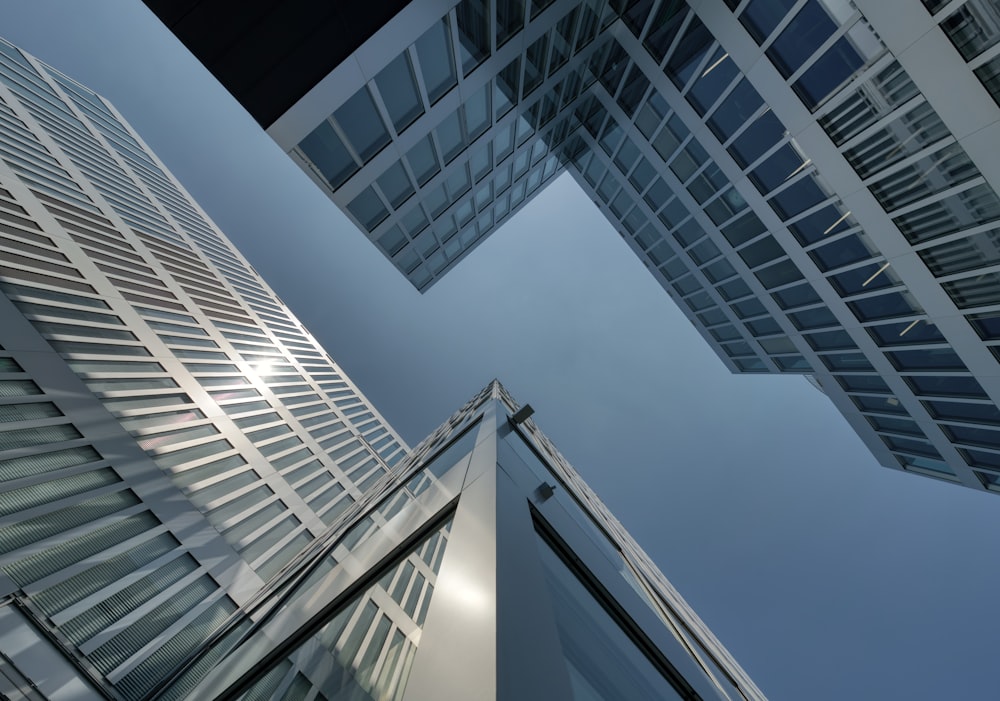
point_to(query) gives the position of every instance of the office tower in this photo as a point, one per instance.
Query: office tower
(813, 182)
(180, 460)
(171, 435)
(488, 570)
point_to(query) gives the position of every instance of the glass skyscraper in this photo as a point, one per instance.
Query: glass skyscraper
(195, 500)
(814, 182)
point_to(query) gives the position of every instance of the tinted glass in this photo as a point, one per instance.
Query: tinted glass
(435, 56)
(327, 152)
(735, 110)
(399, 92)
(362, 125)
(601, 659)
(799, 39)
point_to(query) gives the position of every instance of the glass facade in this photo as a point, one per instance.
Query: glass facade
(171, 437)
(196, 503)
(499, 574)
(780, 210)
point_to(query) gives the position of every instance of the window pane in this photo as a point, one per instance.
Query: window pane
(368, 209)
(828, 72)
(964, 411)
(800, 37)
(477, 113)
(926, 359)
(534, 65)
(884, 306)
(399, 92)
(510, 19)
(362, 124)
(435, 56)
(905, 333)
(689, 52)
(473, 32)
(667, 22)
(945, 386)
(760, 17)
(735, 110)
(843, 251)
(798, 197)
(867, 278)
(718, 74)
(395, 184)
(598, 653)
(327, 152)
(423, 160)
(756, 139)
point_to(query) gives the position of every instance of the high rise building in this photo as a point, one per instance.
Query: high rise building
(814, 182)
(184, 471)
(487, 570)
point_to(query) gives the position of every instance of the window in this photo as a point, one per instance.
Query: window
(882, 405)
(798, 197)
(964, 411)
(946, 386)
(813, 318)
(797, 296)
(327, 152)
(855, 362)
(395, 184)
(718, 74)
(834, 67)
(761, 252)
(368, 209)
(663, 29)
(756, 139)
(473, 33)
(884, 306)
(435, 55)
(844, 251)
(509, 19)
(399, 92)
(362, 125)
(800, 37)
(735, 110)
(688, 54)
(423, 160)
(973, 436)
(830, 340)
(867, 278)
(905, 333)
(870, 384)
(778, 168)
(781, 273)
(761, 17)
(828, 221)
(932, 359)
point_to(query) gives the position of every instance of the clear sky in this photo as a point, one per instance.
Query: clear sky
(827, 576)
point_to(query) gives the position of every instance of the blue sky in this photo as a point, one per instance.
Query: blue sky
(827, 576)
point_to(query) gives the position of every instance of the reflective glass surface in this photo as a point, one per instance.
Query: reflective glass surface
(362, 124)
(399, 92)
(602, 661)
(327, 152)
(435, 56)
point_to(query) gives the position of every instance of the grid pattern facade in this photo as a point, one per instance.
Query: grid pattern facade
(171, 437)
(792, 173)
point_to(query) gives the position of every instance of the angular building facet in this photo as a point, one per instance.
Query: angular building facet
(486, 570)
(195, 500)
(814, 182)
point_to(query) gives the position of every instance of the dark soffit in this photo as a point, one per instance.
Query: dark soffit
(269, 53)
